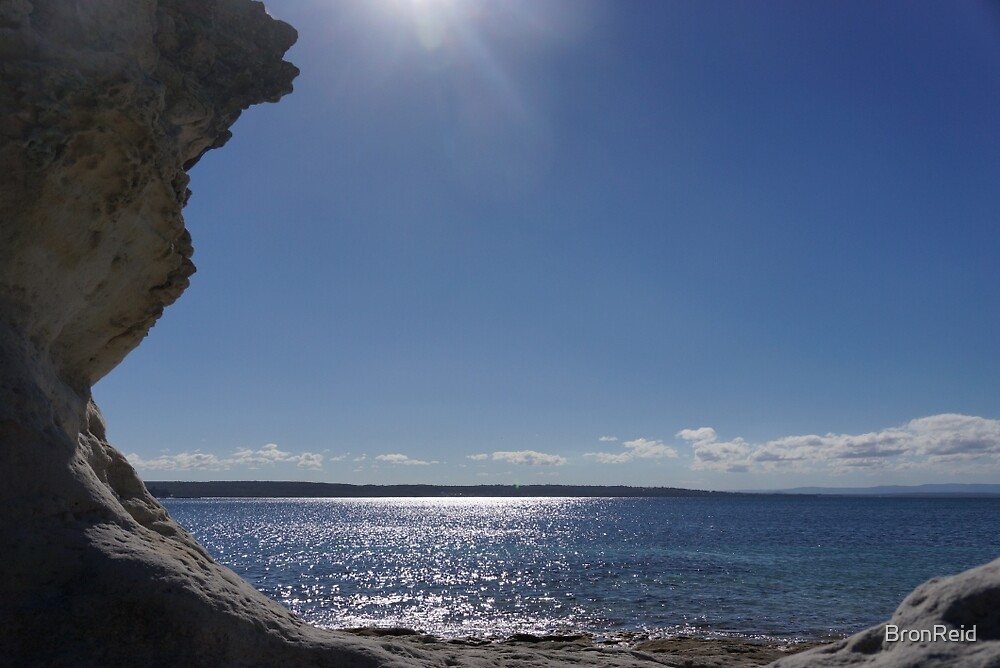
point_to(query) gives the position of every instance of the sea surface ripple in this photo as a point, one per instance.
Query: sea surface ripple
(761, 567)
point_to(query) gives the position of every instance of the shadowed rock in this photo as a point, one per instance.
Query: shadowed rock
(103, 106)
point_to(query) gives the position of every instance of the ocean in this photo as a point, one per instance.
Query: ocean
(765, 567)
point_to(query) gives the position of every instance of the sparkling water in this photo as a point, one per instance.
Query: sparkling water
(763, 566)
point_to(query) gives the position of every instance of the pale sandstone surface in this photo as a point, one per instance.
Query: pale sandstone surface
(104, 105)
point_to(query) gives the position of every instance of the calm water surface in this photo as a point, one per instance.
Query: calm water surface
(784, 567)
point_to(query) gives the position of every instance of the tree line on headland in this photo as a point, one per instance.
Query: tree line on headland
(278, 489)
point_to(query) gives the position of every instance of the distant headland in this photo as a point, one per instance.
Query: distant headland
(279, 489)
(297, 489)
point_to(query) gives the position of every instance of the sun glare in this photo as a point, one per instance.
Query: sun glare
(432, 20)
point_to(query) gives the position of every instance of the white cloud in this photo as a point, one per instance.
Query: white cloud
(646, 449)
(609, 458)
(310, 460)
(396, 458)
(607, 439)
(529, 458)
(268, 455)
(271, 454)
(922, 442)
(700, 434)
(478, 458)
(184, 461)
(952, 435)
(640, 448)
(710, 453)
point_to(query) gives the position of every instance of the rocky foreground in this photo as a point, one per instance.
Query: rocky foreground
(104, 106)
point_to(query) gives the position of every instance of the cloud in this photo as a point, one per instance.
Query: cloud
(478, 458)
(404, 460)
(922, 442)
(310, 460)
(271, 454)
(701, 434)
(184, 461)
(610, 458)
(646, 449)
(607, 439)
(529, 458)
(640, 448)
(268, 455)
(956, 436)
(711, 454)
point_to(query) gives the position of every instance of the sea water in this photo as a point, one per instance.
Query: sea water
(783, 567)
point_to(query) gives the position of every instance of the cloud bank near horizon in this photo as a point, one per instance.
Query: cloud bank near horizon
(520, 457)
(947, 443)
(268, 455)
(927, 442)
(401, 459)
(640, 448)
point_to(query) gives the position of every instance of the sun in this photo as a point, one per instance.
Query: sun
(429, 4)
(433, 20)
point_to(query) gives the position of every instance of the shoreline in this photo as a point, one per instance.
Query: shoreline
(274, 489)
(628, 639)
(583, 649)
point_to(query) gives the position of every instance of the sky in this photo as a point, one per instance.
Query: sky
(715, 245)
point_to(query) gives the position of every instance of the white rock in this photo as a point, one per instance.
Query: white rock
(969, 600)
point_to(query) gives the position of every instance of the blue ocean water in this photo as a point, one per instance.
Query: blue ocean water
(764, 566)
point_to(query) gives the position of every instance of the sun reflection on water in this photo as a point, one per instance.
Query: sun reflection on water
(491, 567)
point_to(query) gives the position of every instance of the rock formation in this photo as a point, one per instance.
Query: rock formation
(957, 603)
(103, 106)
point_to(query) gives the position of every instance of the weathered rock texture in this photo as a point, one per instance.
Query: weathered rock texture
(967, 600)
(103, 106)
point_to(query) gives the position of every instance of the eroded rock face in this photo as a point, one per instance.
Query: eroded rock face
(103, 106)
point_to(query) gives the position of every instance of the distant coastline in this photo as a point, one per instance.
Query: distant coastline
(928, 491)
(293, 489)
(279, 489)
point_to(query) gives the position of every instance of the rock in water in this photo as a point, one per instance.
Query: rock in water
(949, 621)
(103, 106)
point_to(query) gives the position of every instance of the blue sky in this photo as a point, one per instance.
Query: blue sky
(723, 245)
